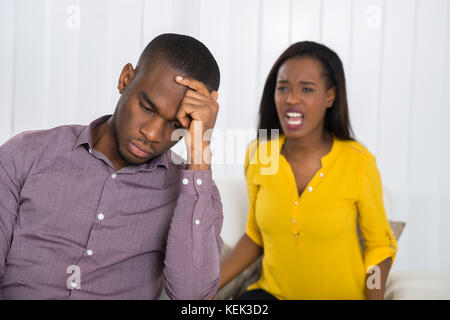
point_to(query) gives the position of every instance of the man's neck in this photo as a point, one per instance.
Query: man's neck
(103, 141)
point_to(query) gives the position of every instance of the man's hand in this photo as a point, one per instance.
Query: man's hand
(198, 113)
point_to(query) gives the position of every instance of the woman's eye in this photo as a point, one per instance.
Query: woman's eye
(282, 89)
(307, 90)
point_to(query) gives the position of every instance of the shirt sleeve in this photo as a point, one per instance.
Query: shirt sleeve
(379, 240)
(12, 167)
(252, 229)
(194, 245)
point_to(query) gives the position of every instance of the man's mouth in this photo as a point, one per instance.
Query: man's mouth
(139, 151)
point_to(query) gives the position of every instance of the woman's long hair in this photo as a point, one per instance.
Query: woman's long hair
(337, 120)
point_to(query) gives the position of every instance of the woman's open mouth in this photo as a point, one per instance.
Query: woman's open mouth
(294, 119)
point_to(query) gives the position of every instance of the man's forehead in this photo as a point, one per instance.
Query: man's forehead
(159, 85)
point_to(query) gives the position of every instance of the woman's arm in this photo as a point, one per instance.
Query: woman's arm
(376, 280)
(243, 254)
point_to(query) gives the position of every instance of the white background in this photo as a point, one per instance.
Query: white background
(60, 61)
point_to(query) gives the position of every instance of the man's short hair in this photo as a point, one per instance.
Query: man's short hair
(184, 53)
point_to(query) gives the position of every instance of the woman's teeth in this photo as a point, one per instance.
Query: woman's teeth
(294, 118)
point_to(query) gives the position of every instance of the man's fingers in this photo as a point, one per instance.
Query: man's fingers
(193, 84)
(215, 95)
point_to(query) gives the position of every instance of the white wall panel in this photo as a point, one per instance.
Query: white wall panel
(7, 22)
(365, 70)
(444, 172)
(306, 20)
(336, 31)
(394, 110)
(31, 61)
(274, 36)
(425, 133)
(59, 69)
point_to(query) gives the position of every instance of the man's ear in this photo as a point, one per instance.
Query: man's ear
(331, 96)
(126, 76)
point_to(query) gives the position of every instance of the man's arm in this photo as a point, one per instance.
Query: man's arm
(194, 245)
(192, 263)
(11, 179)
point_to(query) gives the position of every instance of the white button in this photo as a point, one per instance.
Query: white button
(197, 221)
(321, 174)
(296, 202)
(293, 220)
(114, 176)
(100, 216)
(199, 181)
(310, 189)
(90, 252)
(73, 284)
(90, 151)
(185, 181)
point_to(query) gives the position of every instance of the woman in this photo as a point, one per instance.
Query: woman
(303, 218)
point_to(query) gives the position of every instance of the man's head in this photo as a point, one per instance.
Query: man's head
(145, 116)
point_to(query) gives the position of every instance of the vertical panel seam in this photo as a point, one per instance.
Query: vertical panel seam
(411, 85)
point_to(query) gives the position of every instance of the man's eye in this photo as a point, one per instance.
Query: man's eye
(307, 90)
(145, 108)
(175, 124)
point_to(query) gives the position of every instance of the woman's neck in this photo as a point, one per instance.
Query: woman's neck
(309, 146)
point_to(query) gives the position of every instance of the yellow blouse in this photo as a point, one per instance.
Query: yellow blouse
(311, 244)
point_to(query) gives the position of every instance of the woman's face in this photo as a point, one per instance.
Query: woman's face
(302, 97)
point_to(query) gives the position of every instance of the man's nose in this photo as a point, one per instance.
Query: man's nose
(153, 130)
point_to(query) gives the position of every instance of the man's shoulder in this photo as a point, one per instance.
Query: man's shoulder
(32, 142)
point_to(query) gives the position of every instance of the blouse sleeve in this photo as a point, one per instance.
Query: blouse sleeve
(252, 229)
(379, 240)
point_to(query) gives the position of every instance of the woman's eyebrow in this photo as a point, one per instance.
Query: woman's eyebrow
(300, 82)
(307, 83)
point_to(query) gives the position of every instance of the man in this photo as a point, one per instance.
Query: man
(107, 211)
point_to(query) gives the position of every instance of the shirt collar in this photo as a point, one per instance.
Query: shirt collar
(85, 137)
(326, 160)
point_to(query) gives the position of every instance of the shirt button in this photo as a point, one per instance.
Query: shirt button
(310, 189)
(293, 220)
(199, 181)
(321, 174)
(197, 222)
(100, 216)
(296, 235)
(296, 202)
(114, 176)
(90, 150)
(90, 252)
(185, 181)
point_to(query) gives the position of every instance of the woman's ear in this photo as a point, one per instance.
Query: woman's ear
(331, 96)
(126, 76)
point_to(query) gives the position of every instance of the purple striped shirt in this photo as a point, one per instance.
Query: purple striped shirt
(72, 227)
